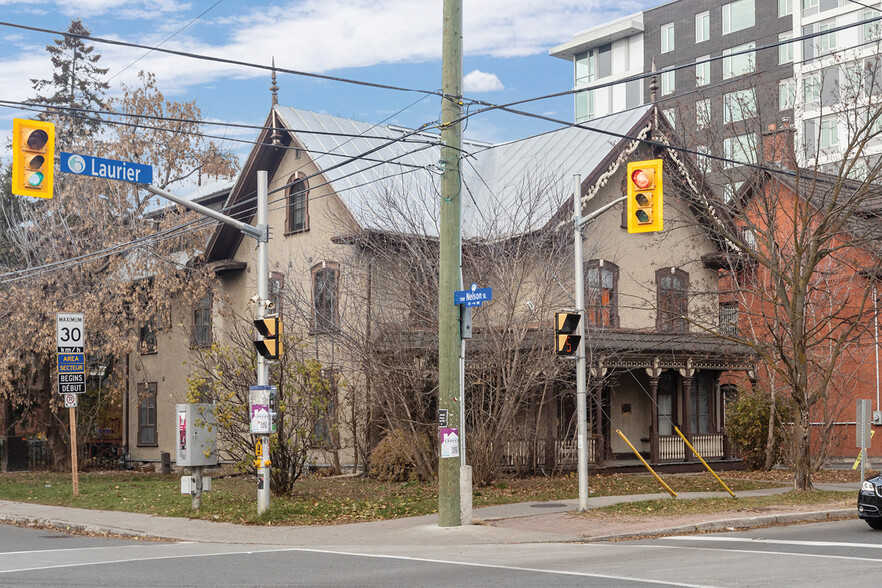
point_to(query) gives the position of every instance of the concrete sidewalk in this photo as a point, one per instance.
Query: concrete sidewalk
(528, 522)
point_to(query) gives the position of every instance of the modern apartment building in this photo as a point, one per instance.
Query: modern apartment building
(838, 78)
(721, 78)
(602, 57)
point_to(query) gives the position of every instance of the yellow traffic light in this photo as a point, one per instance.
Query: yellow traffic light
(645, 196)
(565, 325)
(270, 328)
(33, 157)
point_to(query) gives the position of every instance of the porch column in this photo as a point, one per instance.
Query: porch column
(597, 373)
(687, 373)
(654, 374)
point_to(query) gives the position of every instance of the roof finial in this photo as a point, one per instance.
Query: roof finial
(274, 88)
(653, 84)
(275, 136)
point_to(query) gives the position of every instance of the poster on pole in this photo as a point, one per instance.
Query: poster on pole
(449, 441)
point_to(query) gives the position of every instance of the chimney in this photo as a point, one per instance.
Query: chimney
(778, 145)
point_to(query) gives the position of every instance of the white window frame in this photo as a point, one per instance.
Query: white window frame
(828, 133)
(728, 25)
(703, 113)
(806, 4)
(702, 26)
(730, 62)
(668, 82)
(785, 50)
(811, 88)
(785, 8)
(740, 149)
(739, 105)
(786, 94)
(827, 43)
(871, 30)
(702, 71)
(701, 159)
(667, 37)
(671, 115)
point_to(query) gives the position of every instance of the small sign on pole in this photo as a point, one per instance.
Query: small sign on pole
(70, 401)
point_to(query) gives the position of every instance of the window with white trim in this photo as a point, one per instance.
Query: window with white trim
(703, 113)
(785, 51)
(785, 7)
(829, 133)
(739, 105)
(738, 15)
(667, 37)
(702, 26)
(827, 42)
(702, 71)
(740, 149)
(668, 82)
(786, 94)
(736, 65)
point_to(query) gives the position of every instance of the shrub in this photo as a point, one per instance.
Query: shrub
(392, 460)
(747, 424)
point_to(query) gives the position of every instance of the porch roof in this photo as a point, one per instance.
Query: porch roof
(632, 348)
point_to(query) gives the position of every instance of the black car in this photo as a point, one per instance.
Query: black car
(870, 502)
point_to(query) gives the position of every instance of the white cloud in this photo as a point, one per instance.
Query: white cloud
(479, 81)
(326, 35)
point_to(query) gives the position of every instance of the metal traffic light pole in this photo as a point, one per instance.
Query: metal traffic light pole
(261, 234)
(579, 223)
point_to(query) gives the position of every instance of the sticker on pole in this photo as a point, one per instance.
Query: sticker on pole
(449, 441)
(70, 401)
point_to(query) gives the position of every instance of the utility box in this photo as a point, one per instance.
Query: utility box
(188, 484)
(197, 435)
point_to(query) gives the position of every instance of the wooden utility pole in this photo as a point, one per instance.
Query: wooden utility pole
(450, 256)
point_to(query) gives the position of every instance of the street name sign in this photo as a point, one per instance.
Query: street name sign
(473, 297)
(70, 339)
(111, 169)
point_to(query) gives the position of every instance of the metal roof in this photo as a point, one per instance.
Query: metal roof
(389, 177)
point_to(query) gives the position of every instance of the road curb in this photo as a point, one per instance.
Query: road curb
(79, 528)
(735, 524)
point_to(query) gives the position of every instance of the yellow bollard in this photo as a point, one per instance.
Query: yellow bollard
(689, 445)
(640, 457)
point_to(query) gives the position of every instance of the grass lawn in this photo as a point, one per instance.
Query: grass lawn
(319, 500)
(717, 505)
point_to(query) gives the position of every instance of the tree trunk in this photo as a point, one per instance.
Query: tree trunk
(802, 462)
(770, 440)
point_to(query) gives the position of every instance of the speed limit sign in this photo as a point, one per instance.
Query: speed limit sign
(70, 401)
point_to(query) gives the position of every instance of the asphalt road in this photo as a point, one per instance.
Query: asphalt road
(844, 553)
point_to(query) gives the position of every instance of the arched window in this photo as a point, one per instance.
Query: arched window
(673, 300)
(325, 278)
(601, 293)
(297, 194)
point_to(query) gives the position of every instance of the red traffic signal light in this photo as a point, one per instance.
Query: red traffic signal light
(33, 157)
(270, 328)
(566, 325)
(645, 196)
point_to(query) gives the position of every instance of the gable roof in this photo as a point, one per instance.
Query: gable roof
(388, 177)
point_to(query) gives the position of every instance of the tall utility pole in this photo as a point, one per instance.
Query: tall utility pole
(450, 255)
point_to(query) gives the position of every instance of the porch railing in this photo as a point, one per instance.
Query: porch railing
(671, 447)
(517, 454)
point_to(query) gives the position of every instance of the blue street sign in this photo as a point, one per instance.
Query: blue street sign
(98, 167)
(473, 297)
(71, 362)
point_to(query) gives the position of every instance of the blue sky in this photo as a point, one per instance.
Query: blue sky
(395, 42)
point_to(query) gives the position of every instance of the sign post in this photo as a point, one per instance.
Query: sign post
(863, 433)
(70, 344)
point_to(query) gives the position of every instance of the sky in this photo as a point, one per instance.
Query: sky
(394, 42)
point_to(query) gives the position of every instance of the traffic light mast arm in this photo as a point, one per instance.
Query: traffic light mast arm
(259, 232)
(582, 221)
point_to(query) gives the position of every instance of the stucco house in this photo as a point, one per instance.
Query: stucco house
(353, 219)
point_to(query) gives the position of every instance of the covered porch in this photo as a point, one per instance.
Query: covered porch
(644, 384)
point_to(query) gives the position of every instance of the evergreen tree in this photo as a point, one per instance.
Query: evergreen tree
(77, 82)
